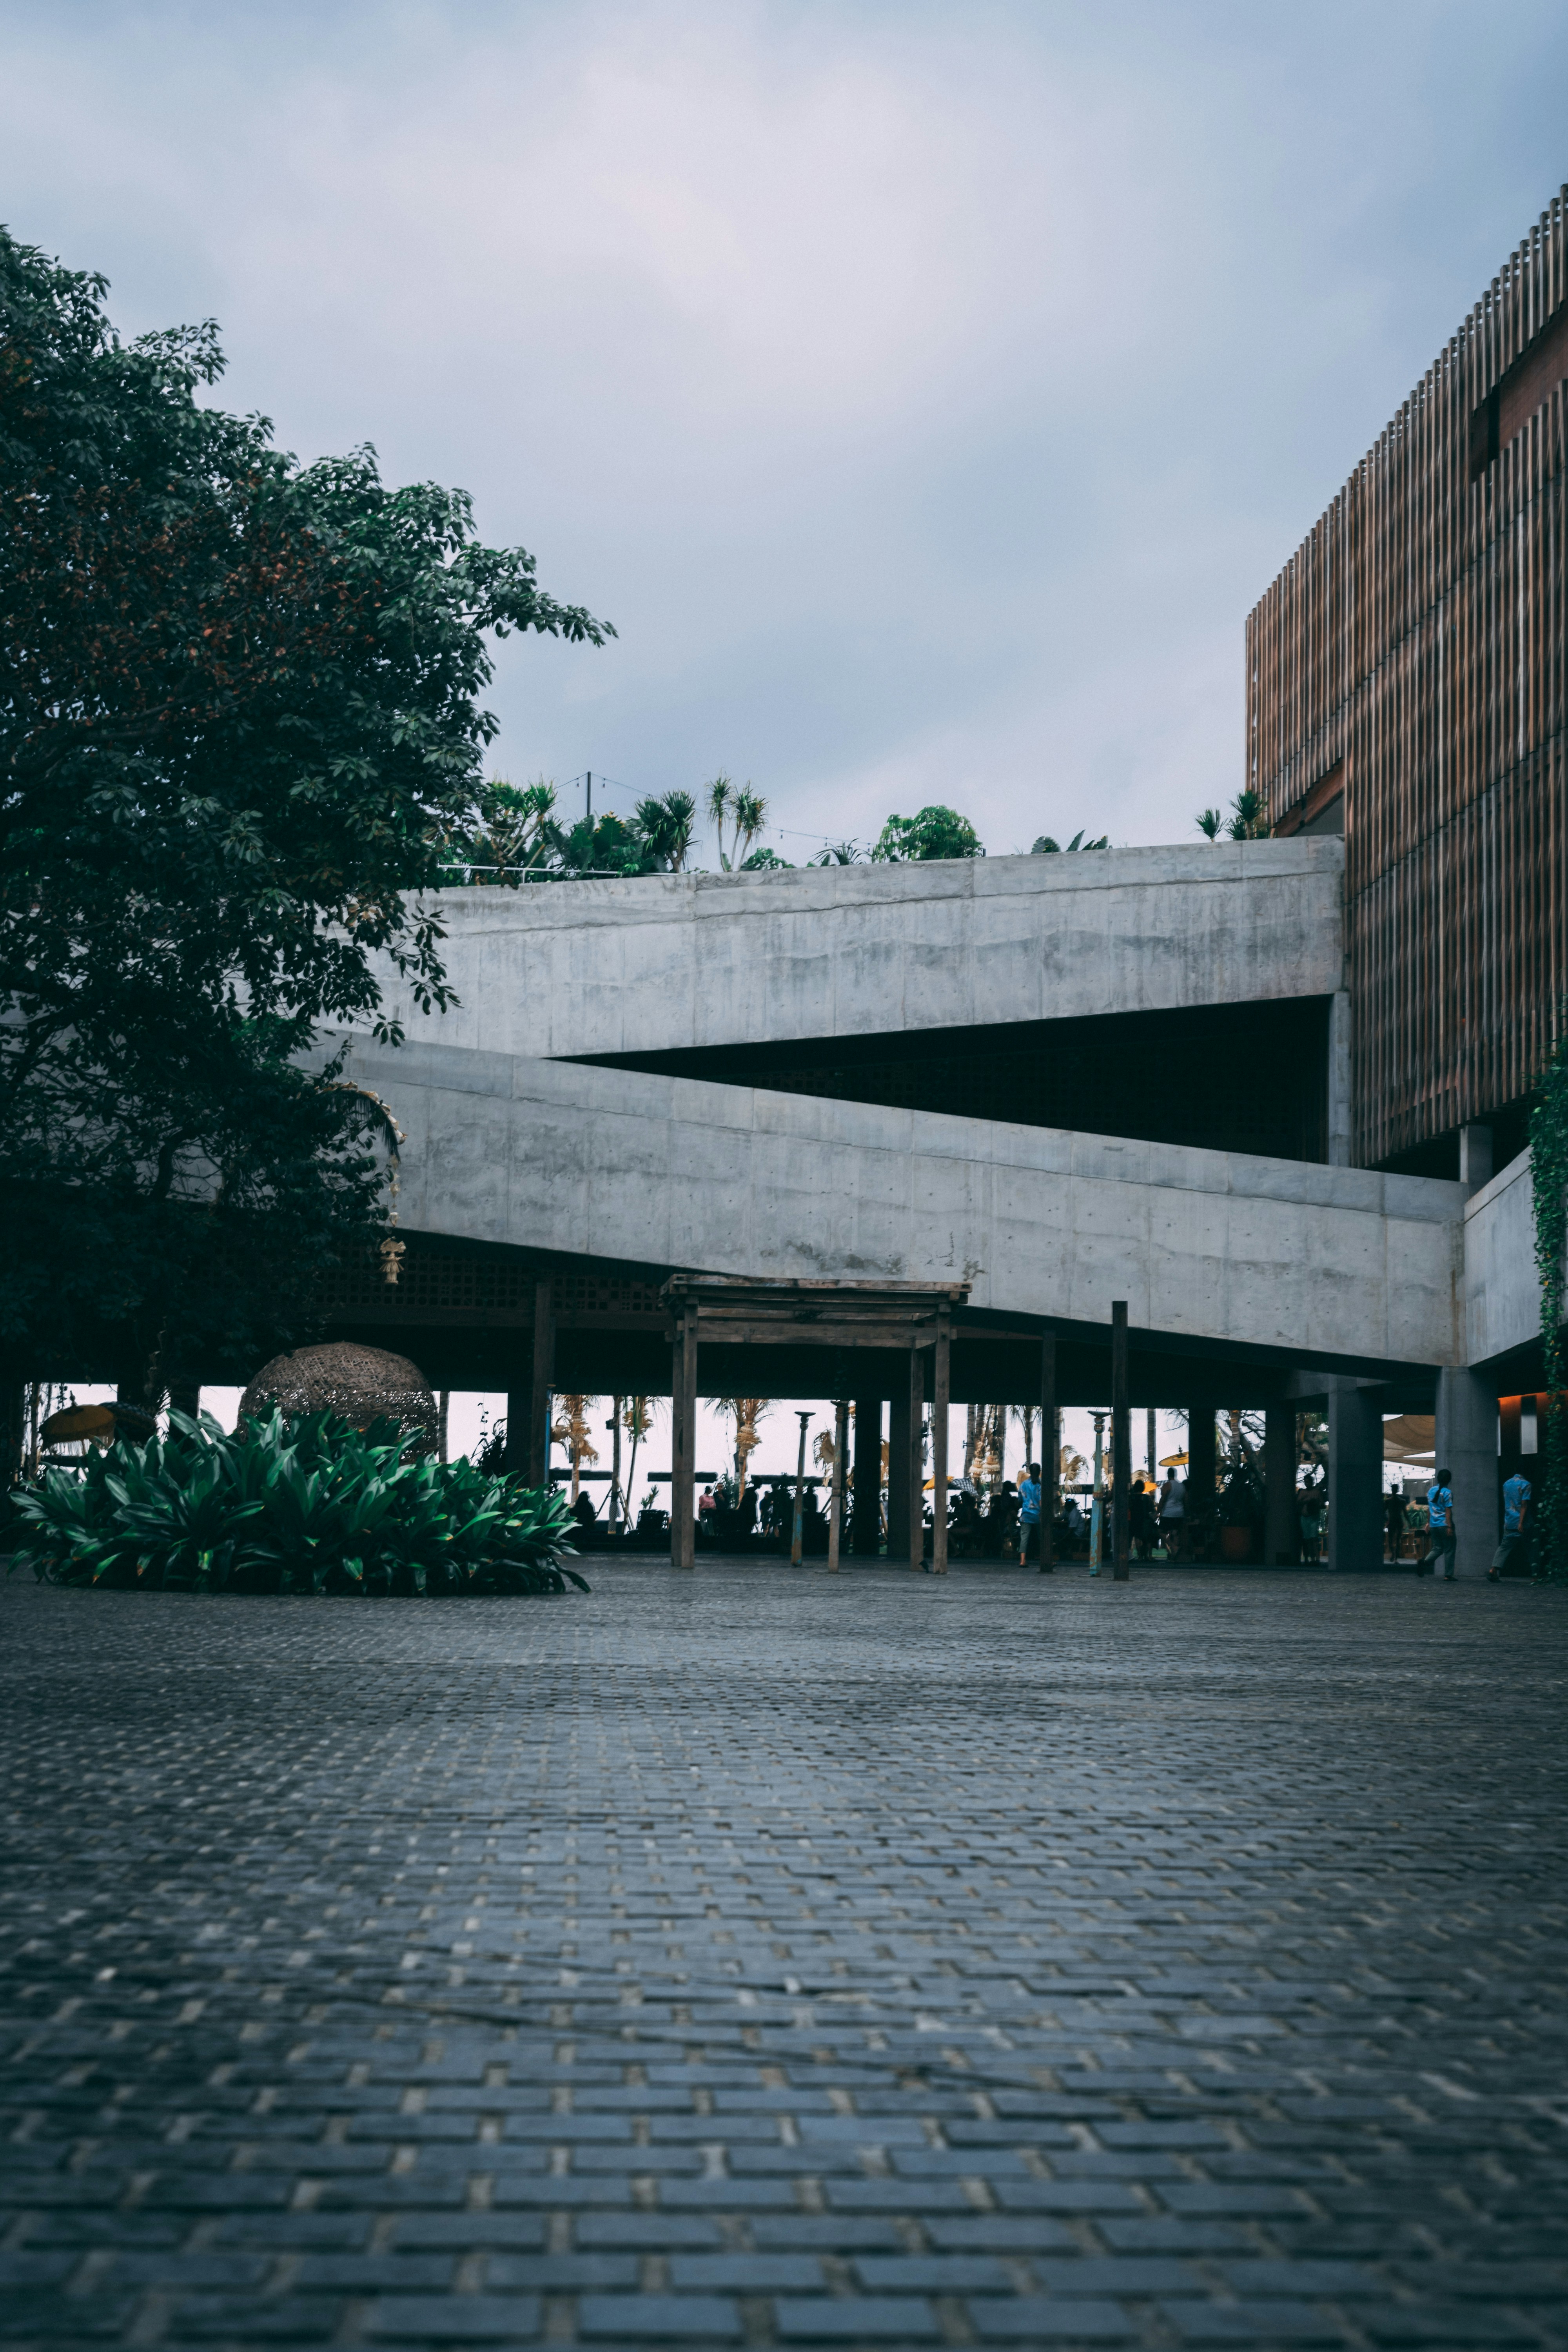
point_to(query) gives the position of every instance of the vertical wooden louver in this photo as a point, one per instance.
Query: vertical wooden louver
(1419, 634)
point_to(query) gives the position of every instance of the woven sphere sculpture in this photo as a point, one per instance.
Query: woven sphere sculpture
(359, 1384)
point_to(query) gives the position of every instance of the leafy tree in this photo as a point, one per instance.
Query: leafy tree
(510, 831)
(767, 861)
(602, 844)
(934, 832)
(239, 725)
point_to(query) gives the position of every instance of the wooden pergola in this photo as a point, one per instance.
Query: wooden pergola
(905, 1315)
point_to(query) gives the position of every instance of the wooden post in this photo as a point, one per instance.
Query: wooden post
(543, 1372)
(797, 1530)
(941, 1388)
(616, 1513)
(1200, 1480)
(528, 1405)
(840, 1448)
(1051, 1455)
(1120, 1442)
(917, 1414)
(683, 1439)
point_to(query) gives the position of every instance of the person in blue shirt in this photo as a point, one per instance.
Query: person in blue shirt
(1442, 1535)
(1029, 1513)
(1516, 1496)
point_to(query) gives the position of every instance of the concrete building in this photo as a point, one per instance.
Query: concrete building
(1271, 1094)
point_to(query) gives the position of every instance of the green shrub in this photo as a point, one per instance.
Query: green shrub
(305, 1505)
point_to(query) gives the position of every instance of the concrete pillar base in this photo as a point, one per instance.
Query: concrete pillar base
(1281, 1532)
(1355, 1475)
(1467, 1446)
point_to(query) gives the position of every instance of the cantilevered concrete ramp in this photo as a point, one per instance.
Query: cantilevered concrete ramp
(1211, 1246)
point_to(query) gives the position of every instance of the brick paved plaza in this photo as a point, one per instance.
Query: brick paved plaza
(779, 1959)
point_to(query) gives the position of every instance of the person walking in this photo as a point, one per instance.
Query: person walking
(1173, 1514)
(1144, 1526)
(1442, 1535)
(1029, 1491)
(1516, 1496)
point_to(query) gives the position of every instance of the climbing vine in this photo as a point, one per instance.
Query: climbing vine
(1549, 1178)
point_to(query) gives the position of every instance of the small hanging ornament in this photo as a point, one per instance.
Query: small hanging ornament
(392, 1251)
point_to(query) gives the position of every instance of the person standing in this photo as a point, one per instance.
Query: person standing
(1029, 1492)
(1394, 1518)
(1442, 1535)
(1142, 1527)
(1311, 1518)
(1172, 1514)
(1516, 1494)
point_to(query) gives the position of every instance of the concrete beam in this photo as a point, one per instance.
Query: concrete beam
(688, 959)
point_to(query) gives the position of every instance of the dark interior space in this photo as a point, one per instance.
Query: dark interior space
(1440, 1155)
(1222, 1078)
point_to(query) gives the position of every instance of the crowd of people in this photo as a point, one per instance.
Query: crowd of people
(1003, 1520)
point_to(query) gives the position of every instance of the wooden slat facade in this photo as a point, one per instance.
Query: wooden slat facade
(1419, 636)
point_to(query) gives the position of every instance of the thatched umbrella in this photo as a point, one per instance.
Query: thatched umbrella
(359, 1384)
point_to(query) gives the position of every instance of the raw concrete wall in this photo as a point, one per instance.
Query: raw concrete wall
(678, 1172)
(701, 960)
(1503, 1293)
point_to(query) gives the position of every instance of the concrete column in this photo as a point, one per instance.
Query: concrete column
(1280, 1531)
(898, 1480)
(1467, 1446)
(1338, 1121)
(866, 1519)
(1355, 1475)
(1051, 1455)
(1475, 1157)
(1200, 1469)
(1120, 1445)
(528, 1405)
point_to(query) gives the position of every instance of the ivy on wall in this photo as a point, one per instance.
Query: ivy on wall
(1548, 1178)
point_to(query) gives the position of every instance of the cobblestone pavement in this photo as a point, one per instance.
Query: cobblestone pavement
(774, 1959)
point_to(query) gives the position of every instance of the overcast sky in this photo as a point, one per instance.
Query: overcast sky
(925, 392)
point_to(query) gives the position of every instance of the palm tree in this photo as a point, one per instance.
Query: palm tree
(573, 1433)
(666, 827)
(718, 804)
(745, 1412)
(636, 1419)
(749, 810)
(1246, 821)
